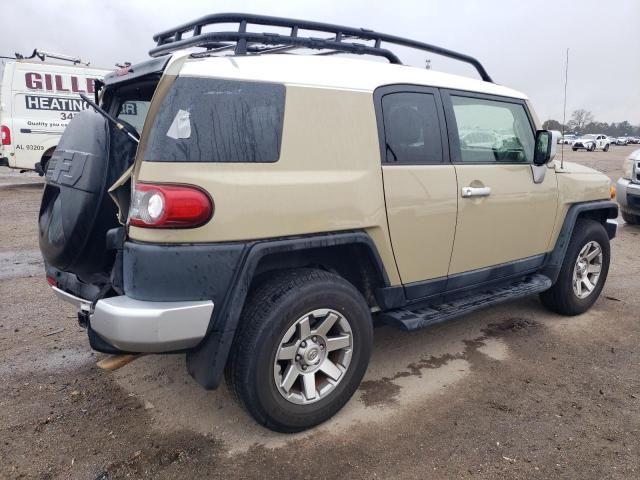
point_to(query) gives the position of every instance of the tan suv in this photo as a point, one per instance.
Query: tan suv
(283, 196)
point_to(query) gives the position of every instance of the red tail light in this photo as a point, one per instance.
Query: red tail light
(6, 135)
(169, 206)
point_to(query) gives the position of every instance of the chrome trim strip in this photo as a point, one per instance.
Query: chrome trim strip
(80, 303)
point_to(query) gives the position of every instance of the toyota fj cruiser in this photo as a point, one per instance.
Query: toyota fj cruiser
(279, 201)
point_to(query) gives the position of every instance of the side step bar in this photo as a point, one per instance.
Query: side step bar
(423, 315)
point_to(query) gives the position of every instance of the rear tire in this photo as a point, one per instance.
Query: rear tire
(630, 218)
(606, 148)
(574, 149)
(282, 335)
(592, 148)
(562, 297)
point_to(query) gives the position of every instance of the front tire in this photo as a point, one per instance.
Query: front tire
(301, 350)
(630, 218)
(592, 147)
(583, 272)
(606, 148)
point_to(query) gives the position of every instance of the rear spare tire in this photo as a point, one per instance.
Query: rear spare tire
(76, 210)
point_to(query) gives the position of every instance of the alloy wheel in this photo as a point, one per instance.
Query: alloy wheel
(586, 271)
(313, 356)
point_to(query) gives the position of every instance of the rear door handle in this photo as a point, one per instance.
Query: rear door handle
(476, 192)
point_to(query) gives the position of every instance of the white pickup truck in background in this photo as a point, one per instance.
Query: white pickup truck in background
(38, 98)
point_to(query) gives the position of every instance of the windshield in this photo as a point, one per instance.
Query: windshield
(131, 103)
(134, 112)
(590, 136)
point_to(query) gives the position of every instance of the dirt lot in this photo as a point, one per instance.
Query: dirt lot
(511, 392)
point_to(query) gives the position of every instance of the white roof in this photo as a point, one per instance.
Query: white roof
(333, 72)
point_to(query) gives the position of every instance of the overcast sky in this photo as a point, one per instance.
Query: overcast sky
(521, 44)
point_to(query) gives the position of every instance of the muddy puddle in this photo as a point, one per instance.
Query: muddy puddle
(405, 369)
(20, 263)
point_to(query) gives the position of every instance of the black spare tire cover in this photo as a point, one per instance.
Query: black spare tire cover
(76, 210)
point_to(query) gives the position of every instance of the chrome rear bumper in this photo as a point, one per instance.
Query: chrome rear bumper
(142, 326)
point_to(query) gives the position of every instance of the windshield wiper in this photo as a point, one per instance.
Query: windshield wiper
(115, 122)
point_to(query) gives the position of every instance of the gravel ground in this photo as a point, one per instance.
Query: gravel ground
(510, 392)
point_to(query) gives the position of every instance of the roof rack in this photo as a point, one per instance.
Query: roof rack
(244, 42)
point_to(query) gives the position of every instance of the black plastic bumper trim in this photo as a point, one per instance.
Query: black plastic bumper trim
(206, 362)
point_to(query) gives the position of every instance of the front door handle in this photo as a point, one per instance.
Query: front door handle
(476, 192)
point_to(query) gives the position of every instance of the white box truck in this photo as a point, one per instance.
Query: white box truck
(38, 98)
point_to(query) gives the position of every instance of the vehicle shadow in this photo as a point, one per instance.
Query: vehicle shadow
(405, 368)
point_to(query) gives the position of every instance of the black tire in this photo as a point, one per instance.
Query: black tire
(630, 218)
(606, 148)
(592, 148)
(561, 298)
(574, 149)
(271, 309)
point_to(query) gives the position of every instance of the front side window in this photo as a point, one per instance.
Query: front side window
(412, 128)
(492, 131)
(213, 120)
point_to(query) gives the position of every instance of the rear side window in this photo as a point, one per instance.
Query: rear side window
(212, 120)
(411, 128)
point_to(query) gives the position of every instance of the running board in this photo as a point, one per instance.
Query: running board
(423, 315)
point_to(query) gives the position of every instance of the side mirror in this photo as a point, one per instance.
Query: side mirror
(545, 149)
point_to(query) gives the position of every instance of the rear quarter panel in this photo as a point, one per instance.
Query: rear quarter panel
(328, 178)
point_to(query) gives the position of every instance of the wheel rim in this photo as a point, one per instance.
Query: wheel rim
(313, 356)
(587, 269)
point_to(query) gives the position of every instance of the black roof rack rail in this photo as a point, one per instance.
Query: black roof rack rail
(243, 41)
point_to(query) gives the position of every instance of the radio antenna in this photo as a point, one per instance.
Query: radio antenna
(564, 112)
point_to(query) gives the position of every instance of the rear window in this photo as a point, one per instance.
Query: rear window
(211, 120)
(134, 113)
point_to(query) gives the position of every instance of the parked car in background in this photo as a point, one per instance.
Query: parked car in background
(591, 143)
(628, 189)
(634, 140)
(38, 98)
(567, 139)
(622, 141)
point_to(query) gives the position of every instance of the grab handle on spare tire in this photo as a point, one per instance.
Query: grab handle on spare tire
(118, 125)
